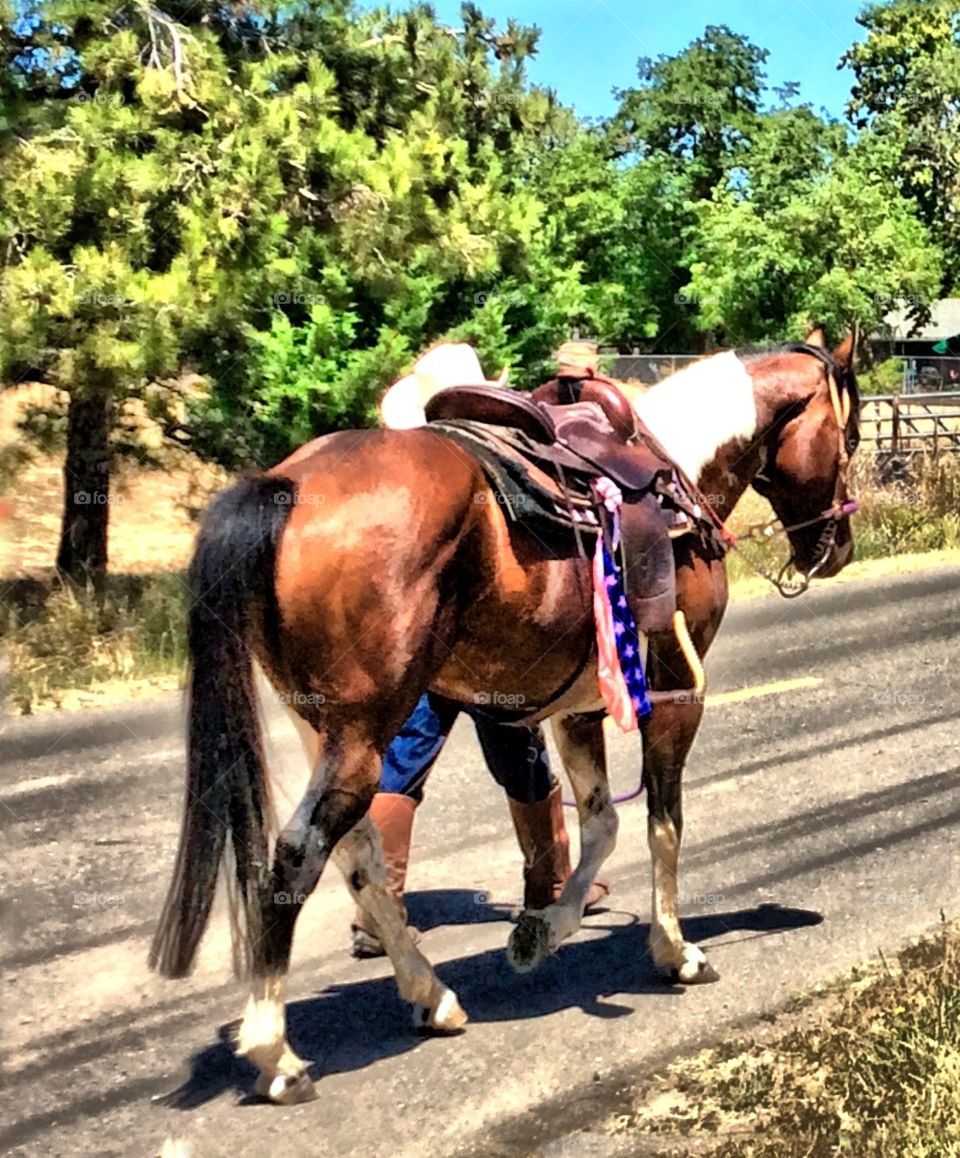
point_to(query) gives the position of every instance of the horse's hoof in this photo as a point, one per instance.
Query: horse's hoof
(286, 1089)
(695, 970)
(447, 1016)
(530, 942)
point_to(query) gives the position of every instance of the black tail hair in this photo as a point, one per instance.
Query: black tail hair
(232, 598)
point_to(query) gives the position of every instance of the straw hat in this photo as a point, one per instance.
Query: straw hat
(449, 364)
(578, 357)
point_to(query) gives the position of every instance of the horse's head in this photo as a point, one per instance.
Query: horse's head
(807, 453)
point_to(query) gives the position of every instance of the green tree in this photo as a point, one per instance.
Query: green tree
(428, 227)
(121, 115)
(683, 133)
(837, 249)
(698, 108)
(907, 88)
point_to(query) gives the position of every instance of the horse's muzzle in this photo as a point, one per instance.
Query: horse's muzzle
(839, 554)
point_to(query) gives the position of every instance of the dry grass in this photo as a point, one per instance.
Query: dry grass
(152, 512)
(60, 641)
(871, 1069)
(919, 515)
(63, 647)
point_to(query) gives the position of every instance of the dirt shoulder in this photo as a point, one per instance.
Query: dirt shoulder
(867, 1064)
(755, 586)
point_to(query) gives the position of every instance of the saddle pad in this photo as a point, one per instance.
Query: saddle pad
(524, 491)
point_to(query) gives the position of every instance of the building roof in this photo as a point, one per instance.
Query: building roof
(944, 323)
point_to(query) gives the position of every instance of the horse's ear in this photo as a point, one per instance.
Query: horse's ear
(844, 354)
(816, 337)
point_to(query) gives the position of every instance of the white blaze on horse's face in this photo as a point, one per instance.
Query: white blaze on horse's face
(697, 410)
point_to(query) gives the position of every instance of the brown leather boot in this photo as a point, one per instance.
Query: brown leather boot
(393, 815)
(546, 852)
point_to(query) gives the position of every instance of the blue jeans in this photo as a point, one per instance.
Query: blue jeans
(515, 754)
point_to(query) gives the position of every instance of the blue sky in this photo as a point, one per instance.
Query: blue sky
(589, 47)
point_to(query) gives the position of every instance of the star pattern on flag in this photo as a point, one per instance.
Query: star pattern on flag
(627, 638)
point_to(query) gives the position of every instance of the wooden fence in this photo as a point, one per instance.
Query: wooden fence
(911, 423)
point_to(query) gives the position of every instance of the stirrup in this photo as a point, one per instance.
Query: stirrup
(688, 695)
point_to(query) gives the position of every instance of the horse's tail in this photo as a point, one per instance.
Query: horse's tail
(233, 601)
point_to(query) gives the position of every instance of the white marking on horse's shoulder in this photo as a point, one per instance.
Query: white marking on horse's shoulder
(701, 408)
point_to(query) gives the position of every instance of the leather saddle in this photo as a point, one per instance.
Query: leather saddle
(561, 438)
(575, 425)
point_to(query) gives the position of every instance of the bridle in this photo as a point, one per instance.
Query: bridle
(839, 509)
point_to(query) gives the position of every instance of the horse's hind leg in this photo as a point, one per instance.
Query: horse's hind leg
(359, 857)
(337, 797)
(538, 934)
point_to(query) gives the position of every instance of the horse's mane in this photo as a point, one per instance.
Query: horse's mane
(846, 379)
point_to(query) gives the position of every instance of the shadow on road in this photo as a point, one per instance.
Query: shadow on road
(353, 1025)
(433, 908)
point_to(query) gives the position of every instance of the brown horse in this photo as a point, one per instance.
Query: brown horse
(371, 566)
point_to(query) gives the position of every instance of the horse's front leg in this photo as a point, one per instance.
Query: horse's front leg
(667, 735)
(538, 933)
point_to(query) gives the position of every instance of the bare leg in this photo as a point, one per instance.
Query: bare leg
(538, 934)
(359, 857)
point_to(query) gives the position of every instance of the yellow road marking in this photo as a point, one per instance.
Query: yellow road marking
(773, 689)
(742, 694)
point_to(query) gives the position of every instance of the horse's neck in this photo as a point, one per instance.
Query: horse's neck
(713, 418)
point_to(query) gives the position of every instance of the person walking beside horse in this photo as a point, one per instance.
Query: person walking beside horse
(515, 755)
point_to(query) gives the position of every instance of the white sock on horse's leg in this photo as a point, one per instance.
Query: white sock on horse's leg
(262, 1039)
(359, 857)
(669, 949)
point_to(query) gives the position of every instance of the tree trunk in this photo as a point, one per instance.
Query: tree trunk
(86, 474)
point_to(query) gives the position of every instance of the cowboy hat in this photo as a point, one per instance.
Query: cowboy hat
(448, 364)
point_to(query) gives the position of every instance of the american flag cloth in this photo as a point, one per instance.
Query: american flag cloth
(623, 684)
